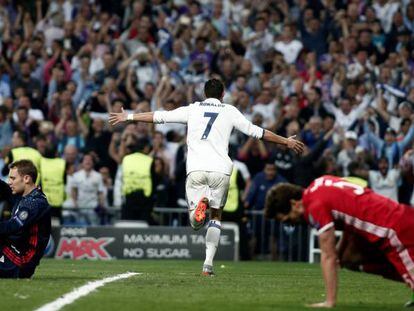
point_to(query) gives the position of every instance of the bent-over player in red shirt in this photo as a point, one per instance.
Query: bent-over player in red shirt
(378, 232)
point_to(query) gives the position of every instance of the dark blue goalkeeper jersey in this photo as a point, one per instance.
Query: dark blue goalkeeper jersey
(24, 237)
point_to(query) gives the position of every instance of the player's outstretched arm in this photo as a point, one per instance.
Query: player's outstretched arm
(179, 115)
(119, 117)
(329, 257)
(290, 142)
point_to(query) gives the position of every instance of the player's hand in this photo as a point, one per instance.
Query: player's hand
(295, 145)
(117, 117)
(324, 304)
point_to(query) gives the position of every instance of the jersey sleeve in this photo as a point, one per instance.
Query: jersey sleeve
(179, 115)
(27, 212)
(319, 217)
(245, 126)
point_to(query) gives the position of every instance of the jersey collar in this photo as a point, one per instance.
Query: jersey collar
(213, 101)
(31, 193)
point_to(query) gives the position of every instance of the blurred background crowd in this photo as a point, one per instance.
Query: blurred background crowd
(336, 73)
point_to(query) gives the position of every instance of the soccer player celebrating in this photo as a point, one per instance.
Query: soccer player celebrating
(24, 237)
(377, 232)
(209, 125)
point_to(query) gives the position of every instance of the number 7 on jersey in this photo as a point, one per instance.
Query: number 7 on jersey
(213, 117)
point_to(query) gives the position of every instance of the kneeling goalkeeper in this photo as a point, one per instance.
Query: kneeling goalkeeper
(23, 237)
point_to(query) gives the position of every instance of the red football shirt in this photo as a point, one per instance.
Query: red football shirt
(332, 201)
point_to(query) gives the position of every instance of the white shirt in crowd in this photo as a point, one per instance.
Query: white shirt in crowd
(346, 120)
(88, 186)
(290, 50)
(257, 48)
(395, 123)
(268, 112)
(209, 125)
(50, 32)
(385, 185)
(34, 114)
(68, 190)
(385, 13)
(145, 74)
(355, 69)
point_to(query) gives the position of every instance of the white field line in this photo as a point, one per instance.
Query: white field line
(82, 291)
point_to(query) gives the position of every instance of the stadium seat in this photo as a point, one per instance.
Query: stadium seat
(314, 246)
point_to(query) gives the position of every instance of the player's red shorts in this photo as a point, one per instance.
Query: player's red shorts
(393, 258)
(399, 247)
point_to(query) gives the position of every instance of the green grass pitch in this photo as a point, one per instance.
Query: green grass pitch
(178, 285)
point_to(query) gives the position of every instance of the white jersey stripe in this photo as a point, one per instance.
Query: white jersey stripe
(325, 228)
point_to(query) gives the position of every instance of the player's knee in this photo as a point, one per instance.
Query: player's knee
(26, 273)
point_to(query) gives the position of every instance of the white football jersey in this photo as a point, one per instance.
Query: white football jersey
(209, 125)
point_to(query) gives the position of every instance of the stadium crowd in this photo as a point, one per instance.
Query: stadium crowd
(338, 74)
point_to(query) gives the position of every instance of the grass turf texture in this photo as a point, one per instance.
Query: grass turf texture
(177, 285)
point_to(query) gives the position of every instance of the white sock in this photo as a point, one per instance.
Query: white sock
(212, 240)
(193, 222)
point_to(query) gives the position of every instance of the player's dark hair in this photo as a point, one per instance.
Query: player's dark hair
(214, 89)
(278, 199)
(25, 167)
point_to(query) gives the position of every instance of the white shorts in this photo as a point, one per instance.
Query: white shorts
(212, 185)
